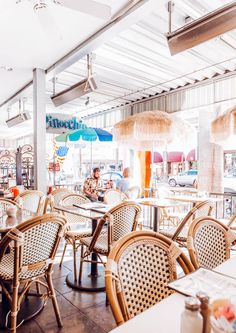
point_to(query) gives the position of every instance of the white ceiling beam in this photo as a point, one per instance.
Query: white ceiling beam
(133, 15)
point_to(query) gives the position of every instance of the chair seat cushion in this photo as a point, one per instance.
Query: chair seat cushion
(77, 234)
(101, 245)
(6, 269)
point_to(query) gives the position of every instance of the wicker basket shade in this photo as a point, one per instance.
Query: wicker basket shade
(145, 129)
(224, 127)
(149, 129)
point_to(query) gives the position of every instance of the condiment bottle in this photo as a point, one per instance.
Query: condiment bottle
(205, 311)
(191, 319)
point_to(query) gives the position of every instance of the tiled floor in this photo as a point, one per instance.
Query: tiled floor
(81, 312)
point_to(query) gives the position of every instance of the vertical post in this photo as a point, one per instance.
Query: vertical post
(39, 118)
(165, 165)
(18, 166)
(210, 157)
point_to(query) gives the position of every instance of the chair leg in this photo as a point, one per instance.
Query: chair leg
(81, 263)
(38, 289)
(74, 256)
(107, 301)
(54, 299)
(14, 309)
(62, 257)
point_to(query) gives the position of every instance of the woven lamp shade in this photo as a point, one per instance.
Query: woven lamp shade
(152, 129)
(224, 127)
(145, 130)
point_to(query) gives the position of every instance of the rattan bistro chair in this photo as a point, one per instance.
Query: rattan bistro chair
(209, 242)
(133, 192)
(73, 234)
(114, 197)
(115, 224)
(7, 203)
(31, 200)
(231, 223)
(56, 196)
(26, 255)
(179, 233)
(138, 271)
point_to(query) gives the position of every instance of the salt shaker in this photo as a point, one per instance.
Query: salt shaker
(191, 319)
(205, 311)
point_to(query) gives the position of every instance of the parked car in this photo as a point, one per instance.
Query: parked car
(189, 178)
(115, 176)
(184, 178)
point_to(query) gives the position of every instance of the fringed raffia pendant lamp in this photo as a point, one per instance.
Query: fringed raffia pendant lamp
(145, 130)
(151, 130)
(154, 129)
(223, 128)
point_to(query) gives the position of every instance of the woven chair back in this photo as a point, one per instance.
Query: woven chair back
(70, 200)
(32, 245)
(31, 200)
(124, 219)
(133, 192)
(114, 197)
(57, 195)
(201, 209)
(6, 203)
(209, 242)
(138, 271)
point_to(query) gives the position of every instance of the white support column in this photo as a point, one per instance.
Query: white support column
(39, 117)
(210, 157)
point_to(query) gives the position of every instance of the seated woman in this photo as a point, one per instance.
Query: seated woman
(92, 185)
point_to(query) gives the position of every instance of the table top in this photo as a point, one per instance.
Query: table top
(88, 213)
(192, 199)
(183, 190)
(156, 319)
(159, 203)
(7, 223)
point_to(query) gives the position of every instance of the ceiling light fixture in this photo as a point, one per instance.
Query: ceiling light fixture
(22, 116)
(206, 27)
(79, 89)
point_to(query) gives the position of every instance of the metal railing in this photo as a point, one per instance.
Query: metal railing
(223, 209)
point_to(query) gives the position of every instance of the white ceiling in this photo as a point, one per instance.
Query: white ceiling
(133, 65)
(26, 45)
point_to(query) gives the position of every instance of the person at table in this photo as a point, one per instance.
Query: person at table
(92, 185)
(126, 182)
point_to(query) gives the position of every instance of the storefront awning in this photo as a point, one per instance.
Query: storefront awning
(191, 156)
(157, 157)
(176, 156)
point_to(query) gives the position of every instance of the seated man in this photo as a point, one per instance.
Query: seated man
(126, 182)
(92, 185)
